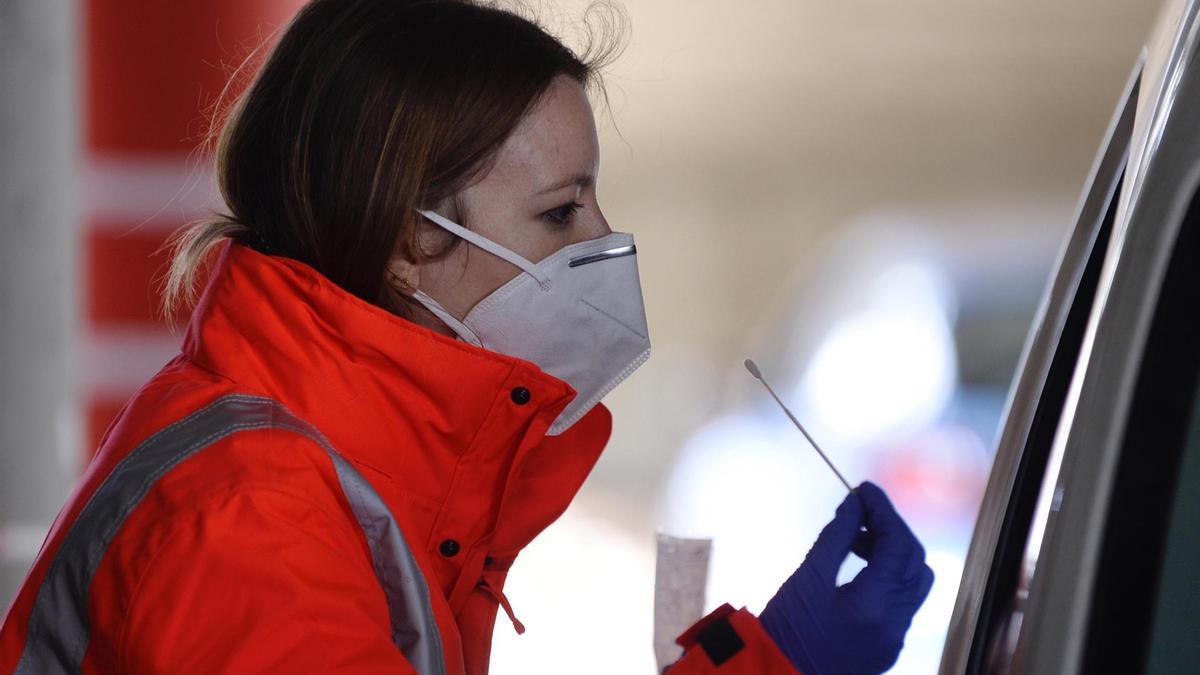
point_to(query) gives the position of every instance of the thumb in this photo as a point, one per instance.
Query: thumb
(834, 543)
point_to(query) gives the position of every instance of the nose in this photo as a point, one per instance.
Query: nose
(597, 227)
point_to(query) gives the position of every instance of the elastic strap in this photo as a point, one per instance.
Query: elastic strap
(487, 245)
(447, 318)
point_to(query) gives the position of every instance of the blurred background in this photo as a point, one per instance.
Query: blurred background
(867, 198)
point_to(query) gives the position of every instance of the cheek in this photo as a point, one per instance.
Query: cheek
(551, 240)
(490, 272)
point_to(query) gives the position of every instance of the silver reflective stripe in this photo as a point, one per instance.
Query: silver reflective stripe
(619, 252)
(58, 630)
(414, 628)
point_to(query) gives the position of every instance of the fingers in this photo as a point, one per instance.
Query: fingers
(864, 545)
(926, 583)
(912, 591)
(880, 514)
(893, 550)
(835, 541)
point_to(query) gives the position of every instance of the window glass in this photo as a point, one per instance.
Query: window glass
(1175, 641)
(1148, 478)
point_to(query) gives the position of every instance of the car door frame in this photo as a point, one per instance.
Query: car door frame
(997, 544)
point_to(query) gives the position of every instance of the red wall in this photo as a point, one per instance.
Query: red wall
(153, 71)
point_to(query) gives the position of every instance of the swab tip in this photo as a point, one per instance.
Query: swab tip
(753, 368)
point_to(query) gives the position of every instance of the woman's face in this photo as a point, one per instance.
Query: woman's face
(538, 196)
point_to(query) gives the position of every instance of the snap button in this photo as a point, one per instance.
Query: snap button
(521, 395)
(449, 548)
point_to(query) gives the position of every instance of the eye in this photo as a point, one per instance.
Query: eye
(563, 214)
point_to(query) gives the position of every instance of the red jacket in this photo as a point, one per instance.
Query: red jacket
(315, 485)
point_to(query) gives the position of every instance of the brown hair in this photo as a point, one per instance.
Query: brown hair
(364, 111)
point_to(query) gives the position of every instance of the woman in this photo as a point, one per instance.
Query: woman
(381, 399)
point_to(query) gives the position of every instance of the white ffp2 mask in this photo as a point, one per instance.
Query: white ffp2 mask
(578, 315)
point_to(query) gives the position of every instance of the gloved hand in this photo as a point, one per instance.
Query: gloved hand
(858, 627)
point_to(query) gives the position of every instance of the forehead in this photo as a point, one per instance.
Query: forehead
(555, 140)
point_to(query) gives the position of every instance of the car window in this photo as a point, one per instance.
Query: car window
(1175, 637)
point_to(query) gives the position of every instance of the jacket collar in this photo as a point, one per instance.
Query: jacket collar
(433, 417)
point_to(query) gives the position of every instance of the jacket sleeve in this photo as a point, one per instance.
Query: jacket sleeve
(259, 581)
(730, 642)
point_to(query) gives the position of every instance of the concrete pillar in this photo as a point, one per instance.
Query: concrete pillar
(39, 262)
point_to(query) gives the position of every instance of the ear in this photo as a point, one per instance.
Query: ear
(404, 274)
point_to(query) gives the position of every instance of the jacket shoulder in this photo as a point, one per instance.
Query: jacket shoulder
(255, 579)
(242, 556)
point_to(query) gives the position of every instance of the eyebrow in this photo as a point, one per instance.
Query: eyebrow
(581, 180)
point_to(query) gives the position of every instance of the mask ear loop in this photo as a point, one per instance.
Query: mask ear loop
(460, 328)
(489, 246)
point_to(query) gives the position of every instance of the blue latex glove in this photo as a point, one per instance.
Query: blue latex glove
(858, 627)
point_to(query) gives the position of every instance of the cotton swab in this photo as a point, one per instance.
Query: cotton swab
(753, 368)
